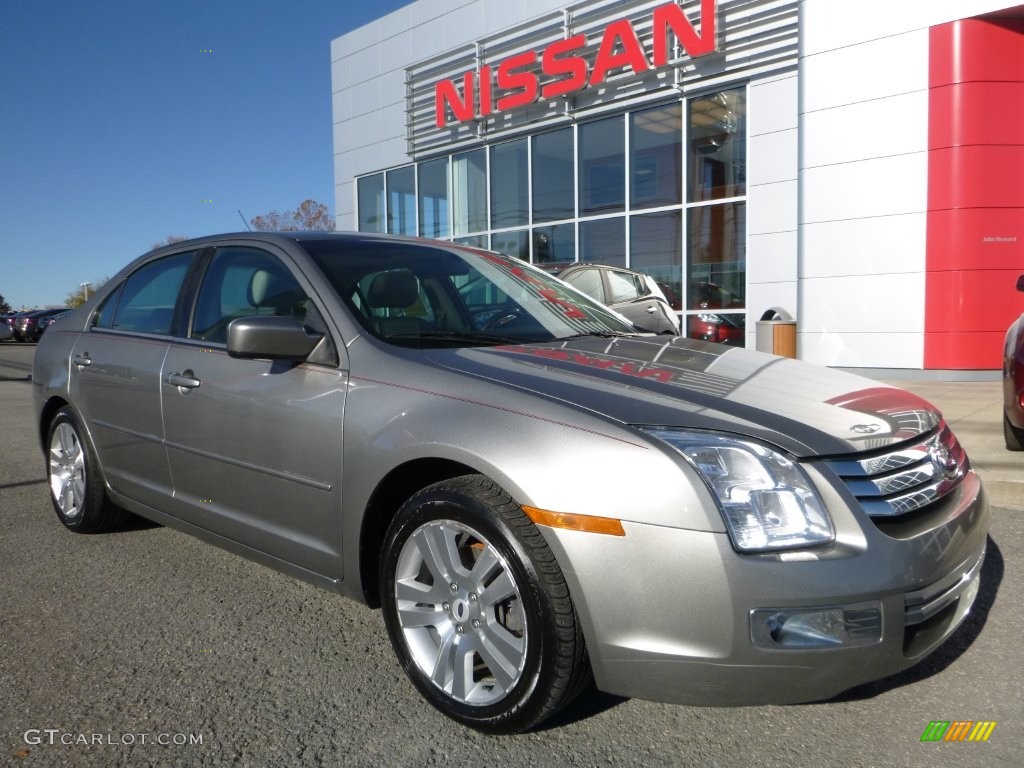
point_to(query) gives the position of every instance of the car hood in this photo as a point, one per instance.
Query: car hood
(805, 409)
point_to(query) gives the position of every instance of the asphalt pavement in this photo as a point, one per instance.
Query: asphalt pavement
(147, 647)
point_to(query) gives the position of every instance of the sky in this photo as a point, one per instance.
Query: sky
(123, 122)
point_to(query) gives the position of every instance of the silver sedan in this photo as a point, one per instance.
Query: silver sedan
(538, 498)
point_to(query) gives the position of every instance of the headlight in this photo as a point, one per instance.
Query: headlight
(765, 498)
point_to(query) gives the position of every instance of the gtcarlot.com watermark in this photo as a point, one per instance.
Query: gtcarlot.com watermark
(58, 737)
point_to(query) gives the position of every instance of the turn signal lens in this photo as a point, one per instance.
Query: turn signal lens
(573, 522)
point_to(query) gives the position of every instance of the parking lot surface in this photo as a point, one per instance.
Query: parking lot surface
(148, 647)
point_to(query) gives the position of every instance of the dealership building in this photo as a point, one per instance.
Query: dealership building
(853, 168)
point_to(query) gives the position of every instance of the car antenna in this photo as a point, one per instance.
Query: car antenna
(243, 220)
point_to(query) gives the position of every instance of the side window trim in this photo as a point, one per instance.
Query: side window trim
(186, 307)
(113, 299)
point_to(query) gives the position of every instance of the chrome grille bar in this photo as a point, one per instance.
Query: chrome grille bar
(908, 479)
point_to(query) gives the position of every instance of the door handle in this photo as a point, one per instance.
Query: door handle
(183, 380)
(651, 309)
(82, 360)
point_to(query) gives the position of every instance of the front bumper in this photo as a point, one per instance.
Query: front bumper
(667, 613)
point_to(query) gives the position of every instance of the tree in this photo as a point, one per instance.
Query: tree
(169, 240)
(78, 296)
(4, 306)
(310, 215)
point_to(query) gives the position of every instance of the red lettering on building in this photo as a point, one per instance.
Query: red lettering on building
(446, 96)
(619, 34)
(486, 99)
(564, 70)
(520, 85)
(570, 71)
(671, 17)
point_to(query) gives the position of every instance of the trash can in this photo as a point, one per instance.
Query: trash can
(776, 333)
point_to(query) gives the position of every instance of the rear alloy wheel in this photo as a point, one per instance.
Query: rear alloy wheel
(1014, 437)
(77, 489)
(477, 609)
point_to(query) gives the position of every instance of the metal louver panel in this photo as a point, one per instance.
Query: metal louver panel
(755, 38)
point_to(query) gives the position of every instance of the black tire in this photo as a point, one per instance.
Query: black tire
(510, 626)
(1014, 437)
(77, 490)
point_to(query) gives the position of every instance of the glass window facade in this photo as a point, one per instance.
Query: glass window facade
(432, 198)
(509, 185)
(655, 151)
(656, 248)
(603, 241)
(554, 243)
(469, 192)
(554, 171)
(602, 163)
(402, 200)
(659, 189)
(370, 192)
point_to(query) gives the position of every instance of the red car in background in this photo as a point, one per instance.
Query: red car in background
(721, 327)
(1013, 382)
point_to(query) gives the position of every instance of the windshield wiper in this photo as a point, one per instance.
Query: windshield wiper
(599, 334)
(461, 336)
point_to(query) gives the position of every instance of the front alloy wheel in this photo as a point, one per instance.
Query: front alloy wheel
(460, 612)
(477, 609)
(77, 489)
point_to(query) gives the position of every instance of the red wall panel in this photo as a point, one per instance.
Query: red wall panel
(975, 221)
(992, 235)
(973, 301)
(987, 113)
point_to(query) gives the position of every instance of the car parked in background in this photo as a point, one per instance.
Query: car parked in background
(632, 294)
(30, 327)
(10, 319)
(721, 327)
(47, 321)
(393, 419)
(1013, 382)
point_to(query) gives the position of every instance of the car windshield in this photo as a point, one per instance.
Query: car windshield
(420, 294)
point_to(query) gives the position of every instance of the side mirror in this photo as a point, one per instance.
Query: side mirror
(270, 338)
(1020, 283)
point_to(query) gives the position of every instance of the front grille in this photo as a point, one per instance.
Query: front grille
(894, 483)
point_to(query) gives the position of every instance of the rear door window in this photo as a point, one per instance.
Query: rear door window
(623, 286)
(588, 281)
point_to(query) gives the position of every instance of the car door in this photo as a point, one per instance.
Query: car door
(115, 376)
(254, 446)
(628, 294)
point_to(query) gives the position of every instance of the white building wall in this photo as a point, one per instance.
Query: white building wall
(368, 79)
(863, 90)
(772, 196)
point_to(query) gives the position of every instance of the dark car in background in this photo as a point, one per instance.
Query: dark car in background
(1013, 382)
(10, 319)
(30, 326)
(49, 320)
(632, 294)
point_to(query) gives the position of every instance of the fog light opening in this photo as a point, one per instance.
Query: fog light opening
(831, 627)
